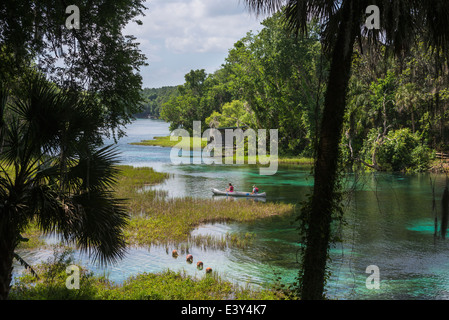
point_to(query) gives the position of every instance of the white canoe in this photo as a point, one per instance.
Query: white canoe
(238, 194)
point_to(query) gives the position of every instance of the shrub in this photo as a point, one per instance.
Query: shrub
(400, 150)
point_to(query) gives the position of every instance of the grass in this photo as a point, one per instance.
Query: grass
(166, 142)
(134, 177)
(302, 161)
(171, 285)
(167, 285)
(170, 221)
(185, 143)
(156, 220)
(129, 182)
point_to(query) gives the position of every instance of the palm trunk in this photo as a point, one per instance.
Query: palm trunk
(7, 246)
(318, 235)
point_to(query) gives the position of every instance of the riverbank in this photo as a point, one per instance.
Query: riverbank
(439, 166)
(167, 285)
(156, 220)
(166, 142)
(185, 143)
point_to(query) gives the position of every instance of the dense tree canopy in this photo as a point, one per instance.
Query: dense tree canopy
(61, 90)
(277, 76)
(279, 80)
(96, 59)
(153, 99)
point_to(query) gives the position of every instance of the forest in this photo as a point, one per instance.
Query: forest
(349, 97)
(153, 99)
(396, 108)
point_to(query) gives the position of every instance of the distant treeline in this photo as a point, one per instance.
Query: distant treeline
(154, 98)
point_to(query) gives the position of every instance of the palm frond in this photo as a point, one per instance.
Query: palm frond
(265, 6)
(22, 262)
(99, 224)
(95, 169)
(401, 20)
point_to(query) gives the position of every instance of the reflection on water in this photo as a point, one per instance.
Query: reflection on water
(390, 224)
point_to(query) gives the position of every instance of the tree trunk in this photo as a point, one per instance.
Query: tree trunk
(326, 165)
(7, 246)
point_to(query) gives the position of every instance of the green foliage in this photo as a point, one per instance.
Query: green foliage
(167, 285)
(271, 80)
(51, 283)
(385, 98)
(171, 285)
(97, 59)
(280, 76)
(167, 142)
(187, 106)
(53, 173)
(234, 114)
(153, 101)
(400, 150)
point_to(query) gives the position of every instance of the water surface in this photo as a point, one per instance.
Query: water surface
(389, 223)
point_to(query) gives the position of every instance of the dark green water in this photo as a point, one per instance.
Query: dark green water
(389, 218)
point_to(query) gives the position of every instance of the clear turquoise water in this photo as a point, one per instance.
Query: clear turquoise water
(390, 224)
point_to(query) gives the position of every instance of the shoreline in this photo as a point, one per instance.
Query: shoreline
(156, 220)
(164, 141)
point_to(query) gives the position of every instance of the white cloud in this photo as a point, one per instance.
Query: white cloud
(180, 35)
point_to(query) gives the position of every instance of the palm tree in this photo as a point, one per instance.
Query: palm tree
(401, 22)
(54, 173)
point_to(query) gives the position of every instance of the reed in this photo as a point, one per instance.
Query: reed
(157, 220)
(170, 221)
(222, 242)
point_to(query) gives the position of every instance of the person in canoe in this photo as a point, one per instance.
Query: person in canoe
(255, 190)
(231, 188)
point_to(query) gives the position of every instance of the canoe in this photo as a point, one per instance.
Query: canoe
(238, 194)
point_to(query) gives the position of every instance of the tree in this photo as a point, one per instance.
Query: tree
(96, 59)
(154, 98)
(407, 97)
(280, 76)
(234, 114)
(342, 23)
(195, 101)
(53, 174)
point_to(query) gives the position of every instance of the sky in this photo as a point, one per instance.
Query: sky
(182, 35)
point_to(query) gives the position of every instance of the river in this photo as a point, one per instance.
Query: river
(389, 224)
